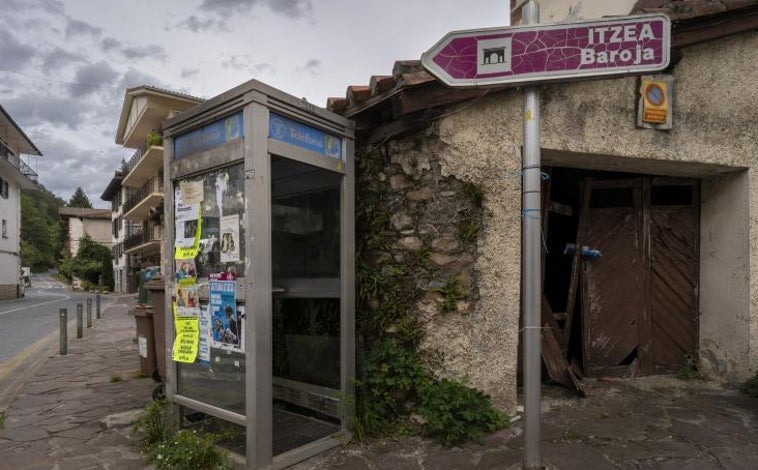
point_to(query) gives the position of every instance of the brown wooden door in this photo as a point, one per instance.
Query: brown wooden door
(611, 303)
(640, 299)
(674, 254)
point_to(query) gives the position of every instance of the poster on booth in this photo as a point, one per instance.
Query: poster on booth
(185, 272)
(204, 345)
(230, 233)
(225, 316)
(188, 226)
(187, 338)
(187, 301)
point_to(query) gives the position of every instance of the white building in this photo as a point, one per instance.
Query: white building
(117, 194)
(15, 175)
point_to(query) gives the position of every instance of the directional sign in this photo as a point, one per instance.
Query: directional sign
(551, 52)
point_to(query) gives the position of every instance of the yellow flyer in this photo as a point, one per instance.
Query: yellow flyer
(187, 339)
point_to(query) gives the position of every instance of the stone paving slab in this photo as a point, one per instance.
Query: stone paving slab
(63, 417)
(647, 423)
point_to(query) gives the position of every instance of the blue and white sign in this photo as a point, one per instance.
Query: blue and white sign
(210, 136)
(292, 132)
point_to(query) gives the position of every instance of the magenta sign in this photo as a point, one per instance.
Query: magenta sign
(551, 52)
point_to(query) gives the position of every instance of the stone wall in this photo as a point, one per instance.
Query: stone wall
(429, 242)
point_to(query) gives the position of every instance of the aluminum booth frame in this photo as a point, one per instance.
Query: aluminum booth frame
(193, 147)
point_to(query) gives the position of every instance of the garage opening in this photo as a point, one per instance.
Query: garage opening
(621, 273)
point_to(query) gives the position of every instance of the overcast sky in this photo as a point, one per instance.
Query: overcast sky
(64, 65)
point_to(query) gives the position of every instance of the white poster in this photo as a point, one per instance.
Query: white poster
(186, 224)
(191, 192)
(230, 230)
(204, 350)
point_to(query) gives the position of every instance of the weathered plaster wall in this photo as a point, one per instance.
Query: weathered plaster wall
(591, 124)
(724, 269)
(557, 11)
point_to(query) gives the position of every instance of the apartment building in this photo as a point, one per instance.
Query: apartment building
(15, 175)
(123, 272)
(141, 207)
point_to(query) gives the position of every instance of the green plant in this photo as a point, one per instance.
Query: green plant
(473, 193)
(468, 231)
(456, 413)
(170, 448)
(750, 386)
(451, 292)
(153, 138)
(2, 419)
(390, 387)
(691, 370)
(116, 378)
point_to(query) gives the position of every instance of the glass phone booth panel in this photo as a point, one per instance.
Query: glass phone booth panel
(305, 234)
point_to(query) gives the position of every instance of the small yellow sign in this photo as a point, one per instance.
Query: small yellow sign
(187, 339)
(655, 102)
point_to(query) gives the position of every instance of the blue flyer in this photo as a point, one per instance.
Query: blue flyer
(225, 316)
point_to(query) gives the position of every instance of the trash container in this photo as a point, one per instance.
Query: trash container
(143, 316)
(157, 290)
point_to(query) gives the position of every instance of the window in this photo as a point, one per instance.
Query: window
(3, 188)
(5, 228)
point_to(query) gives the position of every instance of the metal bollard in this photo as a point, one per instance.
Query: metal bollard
(89, 313)
(97, 306)
(79, 320)
(64, 331)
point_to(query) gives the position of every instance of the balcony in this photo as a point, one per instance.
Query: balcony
(145, 242)
(137, 207)
(18, 163)
(143, 165)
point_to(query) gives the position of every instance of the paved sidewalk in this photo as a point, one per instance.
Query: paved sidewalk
(647, 423)
(71, 415)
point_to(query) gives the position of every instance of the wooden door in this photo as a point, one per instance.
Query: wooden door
(640, 299)
(674, 264)
(611, 285)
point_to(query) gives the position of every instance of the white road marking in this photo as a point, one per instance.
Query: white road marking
(65, 297)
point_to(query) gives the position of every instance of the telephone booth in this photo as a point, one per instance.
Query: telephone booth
(259, 252)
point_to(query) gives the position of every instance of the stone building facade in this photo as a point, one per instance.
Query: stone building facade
(434, 142)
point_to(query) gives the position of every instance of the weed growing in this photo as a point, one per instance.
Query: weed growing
(170, 448)
(116, 378)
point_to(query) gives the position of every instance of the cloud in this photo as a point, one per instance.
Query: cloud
(195, 24)
(132, 52)
(189, 73)
(289, 8)
(109, 43)
(92, 78)
(33, 110)
(140, 52)
(245, 62)
(63, 167)
(313, 67)
(15, 54)
(58, 59)
(81, 28)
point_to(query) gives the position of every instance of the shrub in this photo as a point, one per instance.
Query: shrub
(391, 386)
(456, 413)
(172, 449)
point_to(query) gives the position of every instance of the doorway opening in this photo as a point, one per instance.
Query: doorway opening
(621, 273)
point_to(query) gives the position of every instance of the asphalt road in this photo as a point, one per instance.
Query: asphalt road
(25, 322)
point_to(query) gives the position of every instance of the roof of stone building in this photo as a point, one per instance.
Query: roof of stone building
(84, 213)
(393, 104)
(686, 9)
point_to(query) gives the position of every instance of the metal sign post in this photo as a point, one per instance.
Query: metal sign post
(531, 54)
(532, 285)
